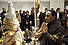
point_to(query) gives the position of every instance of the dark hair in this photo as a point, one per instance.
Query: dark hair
(46, 9)
(57, 9)
(16, 12)
(27, 11)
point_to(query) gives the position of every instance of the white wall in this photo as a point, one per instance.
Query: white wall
(21, 0)
(57, 4)
(23, 5)
(28, 4)
(17, 5)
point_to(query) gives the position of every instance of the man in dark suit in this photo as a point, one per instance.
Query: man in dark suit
(41, 17)
(22, 25)
(3, 14)
(27, 20)
(32, 18)
(58, 13)
(44, 13)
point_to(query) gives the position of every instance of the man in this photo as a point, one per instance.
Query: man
(22, 25)
(58, 13)
(44, 14)
(51, 34)
(18, 16)
(32, 17)
(3, 14)
(41, 17)
(27, 20)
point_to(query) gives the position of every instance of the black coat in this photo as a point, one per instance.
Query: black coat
(32, 19)
(60, 15)
(53, 28)
(27, 19)
(42, 18)
(22, 25)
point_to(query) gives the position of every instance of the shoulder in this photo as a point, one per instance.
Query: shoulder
(58, 24)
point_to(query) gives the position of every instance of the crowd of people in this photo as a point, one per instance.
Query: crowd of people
(51, 34)
(26, 20)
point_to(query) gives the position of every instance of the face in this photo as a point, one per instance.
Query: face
(46, 10)
(3, 9)
(27, 13)
(16, 12)
(49, 18)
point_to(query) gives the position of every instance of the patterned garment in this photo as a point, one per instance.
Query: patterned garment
(12, 38)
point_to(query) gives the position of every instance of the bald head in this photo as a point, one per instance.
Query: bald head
(49, 17)
(48, 12)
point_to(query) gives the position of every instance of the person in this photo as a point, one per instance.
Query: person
(22, 24)
(32, 17)
(13, 34)
(59, 16)
(44, 14)
(65, 17)
(3, 14)
(18, 16)
(28, 35)
(50, 32)
(41, 17)
(58, 13)
(27, 20)
(53, 11)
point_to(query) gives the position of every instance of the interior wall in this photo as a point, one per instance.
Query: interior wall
(23, 5)
(17, 5)
(21, 0)
(57, 4)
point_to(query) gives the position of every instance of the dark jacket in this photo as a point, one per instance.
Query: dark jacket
(32, 19)
(60, 15)
(22, 25)
(54, 28)
(42, 18)
(27, 19)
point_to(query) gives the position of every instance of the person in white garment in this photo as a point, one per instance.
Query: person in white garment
(13, 34)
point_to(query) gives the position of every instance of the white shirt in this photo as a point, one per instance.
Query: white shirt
(57, 15)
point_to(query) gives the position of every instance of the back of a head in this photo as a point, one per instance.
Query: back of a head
(57, 9)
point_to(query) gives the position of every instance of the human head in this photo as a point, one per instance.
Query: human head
(16, 12)
(27, 12)
(58, 10)
(20, 11)
(52, 8)
(49, 17)
(3, 9)
(46, 9)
